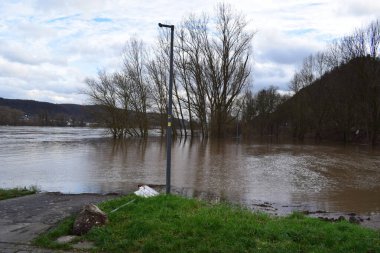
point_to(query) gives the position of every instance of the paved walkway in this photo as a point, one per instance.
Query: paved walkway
(22, 219)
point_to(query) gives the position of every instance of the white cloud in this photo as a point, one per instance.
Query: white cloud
(269, 73)
(283, 48)
(49, 47)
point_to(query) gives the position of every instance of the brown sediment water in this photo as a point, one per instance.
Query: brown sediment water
(333, 178)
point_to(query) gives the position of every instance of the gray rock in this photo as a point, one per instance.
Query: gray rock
(341, 218)
(89, 217)
(354, 220)
(66, 239)
(84, 245)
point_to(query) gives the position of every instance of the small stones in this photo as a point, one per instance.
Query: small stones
(84, 245)
(340, 218)
(66, 239)
(351, 219)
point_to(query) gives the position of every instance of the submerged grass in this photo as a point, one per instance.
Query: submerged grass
(175, 224)
(16, 192)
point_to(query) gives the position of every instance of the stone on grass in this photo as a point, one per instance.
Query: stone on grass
(84, 245)
(66, 239)
(89, 217)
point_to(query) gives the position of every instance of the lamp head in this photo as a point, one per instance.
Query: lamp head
(167, 26)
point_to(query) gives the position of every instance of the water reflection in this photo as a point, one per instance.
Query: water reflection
(333, 178)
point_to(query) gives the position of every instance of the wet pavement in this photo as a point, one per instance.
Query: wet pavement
(23, 219)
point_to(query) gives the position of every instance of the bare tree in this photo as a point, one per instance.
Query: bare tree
(135, 71)
(227, 66)
(10, 116)
(123, 96)
(158, 75)
(189, 62)
(373, 37)
(102, 92)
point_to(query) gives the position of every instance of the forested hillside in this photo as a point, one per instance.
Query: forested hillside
(341, 105)
(29, 112)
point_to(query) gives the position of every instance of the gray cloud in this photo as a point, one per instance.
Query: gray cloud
(49, 47)
(359, 8)
(266, 74)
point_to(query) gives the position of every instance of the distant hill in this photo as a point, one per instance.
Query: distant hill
(344, 104)
(30, 112)
(35, 113)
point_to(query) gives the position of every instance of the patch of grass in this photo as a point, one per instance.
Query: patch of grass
(17, 192)
(175, 224)
(48, 240)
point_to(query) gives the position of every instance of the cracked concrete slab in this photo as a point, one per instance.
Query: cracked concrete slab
(23, 219)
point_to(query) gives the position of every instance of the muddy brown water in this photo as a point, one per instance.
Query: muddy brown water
(334, 178)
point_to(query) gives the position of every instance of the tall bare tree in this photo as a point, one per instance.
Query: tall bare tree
(227, 66)
(135, 72)
(189, 63)
(158, 76)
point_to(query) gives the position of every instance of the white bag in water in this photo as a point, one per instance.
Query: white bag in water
(146, 191)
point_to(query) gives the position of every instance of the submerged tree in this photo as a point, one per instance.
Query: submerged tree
(213, 62)
(102, 92)
(212, 68)
(227, 66)
(123, 96)
(259, 111)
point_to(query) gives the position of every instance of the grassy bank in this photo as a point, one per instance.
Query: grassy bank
(16, 192)
(176, 224)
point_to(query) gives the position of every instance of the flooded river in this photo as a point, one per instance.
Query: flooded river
(76, 160)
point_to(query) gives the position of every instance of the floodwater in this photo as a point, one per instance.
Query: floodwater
(76, 160)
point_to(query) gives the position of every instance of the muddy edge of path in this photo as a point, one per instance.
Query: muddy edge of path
(369, 220)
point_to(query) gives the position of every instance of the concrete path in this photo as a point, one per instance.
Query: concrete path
(22, 219)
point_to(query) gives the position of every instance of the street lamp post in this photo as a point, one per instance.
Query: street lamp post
(170, 114)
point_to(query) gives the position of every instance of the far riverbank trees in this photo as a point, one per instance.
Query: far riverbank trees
(336, 94)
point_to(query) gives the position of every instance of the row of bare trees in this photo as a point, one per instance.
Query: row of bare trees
(211, 71)
(10, 116)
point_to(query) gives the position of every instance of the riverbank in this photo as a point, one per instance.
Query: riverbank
(16, 192)
(177, 224)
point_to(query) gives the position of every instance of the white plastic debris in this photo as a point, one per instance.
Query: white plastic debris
(146, 191)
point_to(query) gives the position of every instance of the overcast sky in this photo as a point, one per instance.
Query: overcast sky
(48, 47)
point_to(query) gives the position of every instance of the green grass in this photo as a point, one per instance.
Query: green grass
(48, 240)
(176, 224)
(16, 192)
